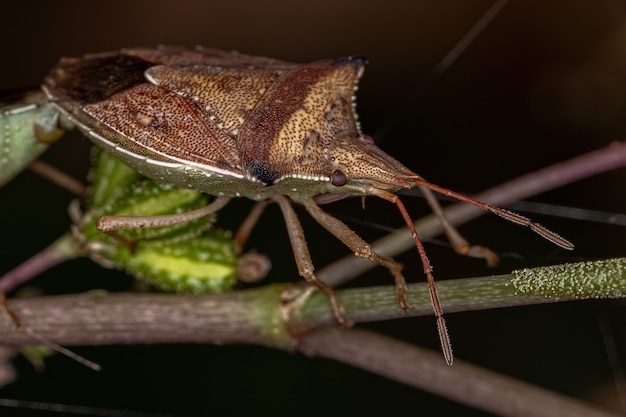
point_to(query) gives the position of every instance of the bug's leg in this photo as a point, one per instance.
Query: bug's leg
(109, 224)
(241, 237)
(458, 242)
(59, 178)
(303, 258)
(360, 247)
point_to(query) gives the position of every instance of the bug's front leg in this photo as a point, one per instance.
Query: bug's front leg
(303, 258)
(360, 247)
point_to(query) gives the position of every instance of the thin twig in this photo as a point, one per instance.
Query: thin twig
(426, 370)
(59, 178)
(61, 250)
(469, 38)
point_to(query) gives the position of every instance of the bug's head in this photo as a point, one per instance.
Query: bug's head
(358, 166)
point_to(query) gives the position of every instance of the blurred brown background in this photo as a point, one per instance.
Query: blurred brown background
(544, 82)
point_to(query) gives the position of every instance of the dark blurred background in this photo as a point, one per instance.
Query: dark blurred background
(543, 83)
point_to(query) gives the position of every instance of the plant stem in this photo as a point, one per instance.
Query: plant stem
(100, 318)
(257, 315)
(59, 178)
(61, 250)
(427, 370)
(582, 280)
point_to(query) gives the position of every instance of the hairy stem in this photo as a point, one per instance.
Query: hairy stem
(256, 315)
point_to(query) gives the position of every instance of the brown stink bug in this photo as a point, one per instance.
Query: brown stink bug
(235, 125)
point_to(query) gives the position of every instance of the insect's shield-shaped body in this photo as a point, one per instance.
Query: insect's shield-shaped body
(226, 123)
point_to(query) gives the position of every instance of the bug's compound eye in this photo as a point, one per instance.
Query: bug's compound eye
(338, 178)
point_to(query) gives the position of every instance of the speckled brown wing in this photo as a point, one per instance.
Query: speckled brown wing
(164, 126)
(110, 99)
(224, 95)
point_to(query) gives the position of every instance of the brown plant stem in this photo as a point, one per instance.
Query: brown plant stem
(61, 250)
(425, 369)
(59, 178)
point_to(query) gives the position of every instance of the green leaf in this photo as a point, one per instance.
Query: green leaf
(107, 177)
(203, 264)
(187, 257)
(27, 126)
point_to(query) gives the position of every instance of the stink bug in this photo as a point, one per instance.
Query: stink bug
(234, 125)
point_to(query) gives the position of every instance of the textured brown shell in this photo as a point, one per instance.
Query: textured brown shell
(223, 122)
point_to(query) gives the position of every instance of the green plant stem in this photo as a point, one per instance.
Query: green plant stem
(582, 280)
(258, 315)
(101, 318)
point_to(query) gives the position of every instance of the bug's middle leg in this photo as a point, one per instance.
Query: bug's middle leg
(360, 247)
(303, 258)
